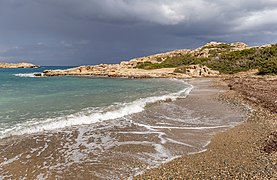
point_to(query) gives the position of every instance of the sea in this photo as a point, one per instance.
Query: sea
(30, 104)
(107, 128)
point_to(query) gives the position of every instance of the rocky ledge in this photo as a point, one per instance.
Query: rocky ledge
(117, 70)
(18, 65)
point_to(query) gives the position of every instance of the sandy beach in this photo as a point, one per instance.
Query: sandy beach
(138, 90)
(247, 151)
(125, 147)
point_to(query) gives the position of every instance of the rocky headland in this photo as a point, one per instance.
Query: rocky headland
(211, 60)
(106, 70)
(132, 68)
(18, 65)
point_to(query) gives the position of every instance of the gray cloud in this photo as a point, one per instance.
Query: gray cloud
(92, 31)
(168, 12)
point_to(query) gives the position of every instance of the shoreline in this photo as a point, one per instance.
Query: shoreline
(247, 150)
(50, 142)
(124, 109)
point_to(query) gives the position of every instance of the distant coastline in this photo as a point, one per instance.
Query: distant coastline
(18, 65)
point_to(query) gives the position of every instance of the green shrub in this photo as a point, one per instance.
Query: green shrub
(269, 67)
(238, 54)
(149, 65)
(173, 62)
(227, 62)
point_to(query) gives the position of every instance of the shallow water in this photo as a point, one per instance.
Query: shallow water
(124, 145)
(31, 104)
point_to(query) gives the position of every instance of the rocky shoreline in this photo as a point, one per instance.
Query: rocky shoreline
(258, 90)
(182, 63)
(248, 151)
(18, 65)
(117, 70)
(129, 68)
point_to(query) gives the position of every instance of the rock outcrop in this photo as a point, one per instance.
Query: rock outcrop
(107, 70)
(197, 71)
(128, 68)
(18, 65)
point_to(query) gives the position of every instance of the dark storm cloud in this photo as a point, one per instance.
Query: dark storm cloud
(92, 31)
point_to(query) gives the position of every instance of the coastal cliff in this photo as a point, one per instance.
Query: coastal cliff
(210, 60)
(18, 65)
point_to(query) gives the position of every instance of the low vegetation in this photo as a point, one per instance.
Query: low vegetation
(173, 62)
(219, 46)
(269, 66)
(226, 61)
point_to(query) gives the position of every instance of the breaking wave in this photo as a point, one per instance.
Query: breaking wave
(25, 75)
(91, 116)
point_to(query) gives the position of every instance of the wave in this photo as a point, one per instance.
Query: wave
(94, 116)
(26, 74)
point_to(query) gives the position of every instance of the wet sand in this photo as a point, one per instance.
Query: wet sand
(124, 147)
(248, 151)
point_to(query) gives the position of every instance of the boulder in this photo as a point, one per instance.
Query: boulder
(197, 71)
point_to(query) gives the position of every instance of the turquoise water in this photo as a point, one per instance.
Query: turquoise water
(32, 104)
(109, 128)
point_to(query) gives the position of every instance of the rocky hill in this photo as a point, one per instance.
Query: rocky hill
(18, 65)
(209, 60)
(201, 52)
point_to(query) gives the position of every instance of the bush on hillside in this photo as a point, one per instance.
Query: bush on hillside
(227, 62)
(173, 62)
(269, 67)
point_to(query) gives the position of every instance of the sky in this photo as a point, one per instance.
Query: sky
(84, 32)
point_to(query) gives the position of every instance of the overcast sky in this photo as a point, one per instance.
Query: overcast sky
(78, 32)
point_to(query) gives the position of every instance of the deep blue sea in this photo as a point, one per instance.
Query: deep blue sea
(30, 104)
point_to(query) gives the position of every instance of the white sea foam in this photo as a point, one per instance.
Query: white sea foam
(82, 118)
(186, 128)
(26, 74)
